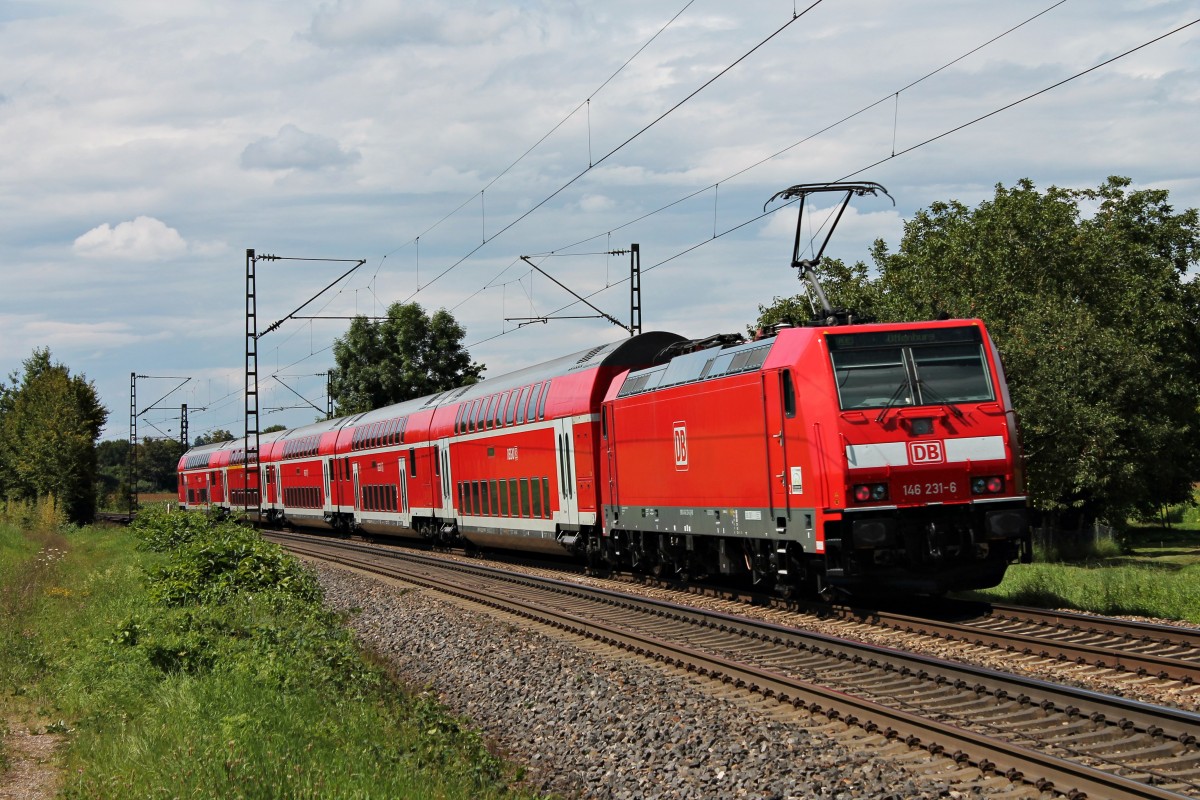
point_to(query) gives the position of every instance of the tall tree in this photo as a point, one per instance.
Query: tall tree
(49, 423)
(408, 354)
(1089, 297)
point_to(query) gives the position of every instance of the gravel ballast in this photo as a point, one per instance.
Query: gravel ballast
(591, 724)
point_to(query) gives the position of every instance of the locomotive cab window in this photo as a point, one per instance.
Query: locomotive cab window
(940, 366)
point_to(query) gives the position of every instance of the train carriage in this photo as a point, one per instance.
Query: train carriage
(521, 464)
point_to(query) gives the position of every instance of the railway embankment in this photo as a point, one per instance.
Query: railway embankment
(181, 658)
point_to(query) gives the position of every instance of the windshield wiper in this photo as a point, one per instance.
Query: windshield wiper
(939, 397)
(892, 400)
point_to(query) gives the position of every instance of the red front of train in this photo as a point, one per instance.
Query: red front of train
(855, 456)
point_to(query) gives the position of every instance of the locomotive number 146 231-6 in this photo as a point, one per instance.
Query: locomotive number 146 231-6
(929, 489)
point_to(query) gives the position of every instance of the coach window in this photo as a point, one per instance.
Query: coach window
(477, 415)
(412, 462)
(542, 400)
(537, 499)
(458, 419)
(521, 406)
(524, 497)
(546, 497)
(498, 411)
(485, 421)
(513, 507)
(485, 498)
(789, 393)
(531, 406)
(510, 408)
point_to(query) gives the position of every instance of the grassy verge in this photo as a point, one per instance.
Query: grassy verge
(1154, 575)
(203, 665)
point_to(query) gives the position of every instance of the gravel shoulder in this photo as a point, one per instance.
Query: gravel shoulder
(588, 724)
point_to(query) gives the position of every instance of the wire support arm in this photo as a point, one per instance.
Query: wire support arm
(574, 294)
(275, 325)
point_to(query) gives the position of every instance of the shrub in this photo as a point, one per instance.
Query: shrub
(214, 561)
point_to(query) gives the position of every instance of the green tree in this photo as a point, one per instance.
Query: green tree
(219, 435)
(157, 461)
(408, 354)
(1088, 295)
(49, 423)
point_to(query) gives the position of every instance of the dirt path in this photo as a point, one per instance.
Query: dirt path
(32, 773)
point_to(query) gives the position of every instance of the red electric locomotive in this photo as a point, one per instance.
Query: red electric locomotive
(865, 457)
(871, 456)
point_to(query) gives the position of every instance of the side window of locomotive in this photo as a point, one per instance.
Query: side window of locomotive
(789, 393)
(952, 373)
(871, 377)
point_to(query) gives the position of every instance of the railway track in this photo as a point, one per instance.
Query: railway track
(1079, 743)
(1144, 649)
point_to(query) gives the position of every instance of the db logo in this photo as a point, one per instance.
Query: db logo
(926, 453)
(681, 453)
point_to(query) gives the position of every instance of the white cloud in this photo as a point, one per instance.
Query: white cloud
(384, 23)
(292, 148)
(142, 239)
(593, 203)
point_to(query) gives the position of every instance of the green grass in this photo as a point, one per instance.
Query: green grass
(203, 665)
(1155, 574)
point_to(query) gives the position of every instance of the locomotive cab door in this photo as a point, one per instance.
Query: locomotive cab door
(564, 456)
(779, 398)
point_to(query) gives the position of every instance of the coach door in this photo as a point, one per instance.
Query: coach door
(357, 492)
(402, 493)
(441, 455)
(564, 456)
(779, 397)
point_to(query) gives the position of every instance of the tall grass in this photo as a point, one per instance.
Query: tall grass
(1165, 592)
(42, 515)
(203, 665)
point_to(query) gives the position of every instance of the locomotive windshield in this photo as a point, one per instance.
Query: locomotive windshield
(938, 366)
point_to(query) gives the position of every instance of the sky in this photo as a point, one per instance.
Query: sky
(148, 145)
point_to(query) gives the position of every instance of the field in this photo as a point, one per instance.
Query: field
(197, 661)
